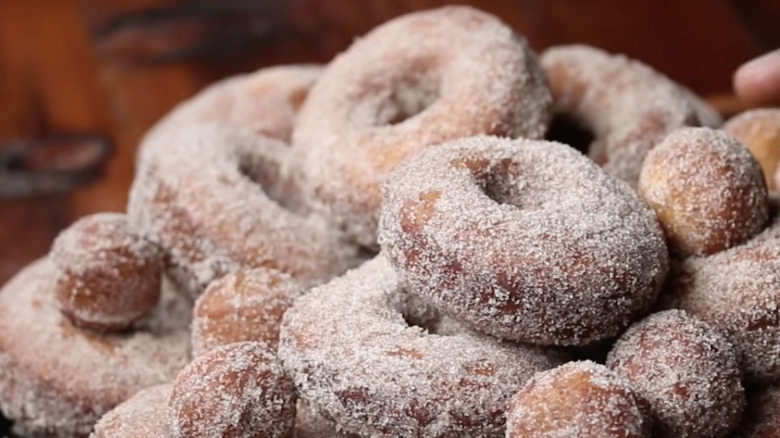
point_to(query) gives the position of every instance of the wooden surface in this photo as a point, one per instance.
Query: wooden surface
(108, 70)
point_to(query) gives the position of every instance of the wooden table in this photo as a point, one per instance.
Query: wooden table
(85, 72)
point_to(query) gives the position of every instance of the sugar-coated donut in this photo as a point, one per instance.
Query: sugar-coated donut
(686, 372)
(737, 291)
(140, 416)
(522, 239)
(309, 423)
(626, 105)
(759, 130)
(245, 305)
(107, 275)
(211, 202)
(762, 415)
(352, 354)
(707, 190)
(415, 81)
(577, 399)
(57, 380)
(238, 390)
(264, 102)
(144, 415)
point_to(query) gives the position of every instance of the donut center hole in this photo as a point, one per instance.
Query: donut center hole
(281, 190)
(564, 129)
(408, 97)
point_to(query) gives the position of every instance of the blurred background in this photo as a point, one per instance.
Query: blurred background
(82, 80)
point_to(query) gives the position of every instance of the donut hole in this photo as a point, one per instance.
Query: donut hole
(279, 188)
(409, 94)
(565, 129)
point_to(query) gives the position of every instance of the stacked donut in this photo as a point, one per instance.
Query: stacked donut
(438, 234)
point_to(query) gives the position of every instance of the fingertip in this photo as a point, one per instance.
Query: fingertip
(757, 82)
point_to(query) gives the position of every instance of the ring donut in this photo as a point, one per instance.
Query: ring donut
(58, 379)
(212, 202)
(417, 80)
(351, 353)
(523, 239)
(264, 102)
(626, 105)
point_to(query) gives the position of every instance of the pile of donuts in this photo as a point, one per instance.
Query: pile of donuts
(438, 234)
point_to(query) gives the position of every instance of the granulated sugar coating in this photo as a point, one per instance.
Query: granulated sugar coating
(685, 371)
(627, 106)
(309, 423)
(352, 355)
(707, 190)
(759, 130)
(141, 416)
(415, 81)
(206, 200)
(238, 390)
(577, 399)
(525, 240)
(106, 274)
(264, 102)
(245, 305)
(738, 292)
(57, 380)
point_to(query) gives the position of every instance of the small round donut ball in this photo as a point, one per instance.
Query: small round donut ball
(762, 416)
(577, 399)
(107, 275)
(707, 190)
(238, 390)
(685, 371)
(245, 305)
(759, 130)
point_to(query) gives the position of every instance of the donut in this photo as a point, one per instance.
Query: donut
(57, 379)
(762, 416)
(245, 305)
(418, 80)
(707, 190)
(264, 102)
(737, 292)
(625, 105)
(352, 355)
(142, 415)
(685, 371)
(309, 423)
(210, 202)
(578, 399)
(522, 239)
(107, 275)
(759, 130)
(238, 390)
